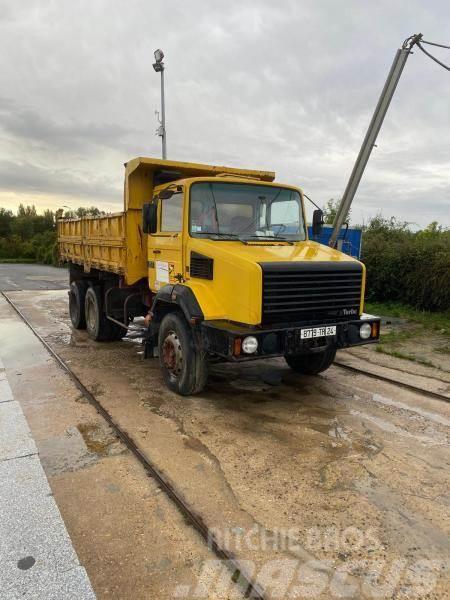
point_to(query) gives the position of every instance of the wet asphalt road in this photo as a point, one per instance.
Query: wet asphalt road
(15, 277)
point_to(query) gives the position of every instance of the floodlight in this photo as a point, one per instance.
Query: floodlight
(159, 55)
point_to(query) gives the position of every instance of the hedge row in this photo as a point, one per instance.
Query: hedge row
(405, 266)
(41, 248)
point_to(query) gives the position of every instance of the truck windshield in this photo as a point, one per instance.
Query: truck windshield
(245, 211)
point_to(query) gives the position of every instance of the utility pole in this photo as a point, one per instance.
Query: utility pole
(400, 59)
(161, 130)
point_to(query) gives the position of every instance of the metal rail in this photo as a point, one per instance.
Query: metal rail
(250, 587)
(407, 386)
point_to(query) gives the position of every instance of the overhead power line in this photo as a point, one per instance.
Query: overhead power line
(434, 44)
(431, 56)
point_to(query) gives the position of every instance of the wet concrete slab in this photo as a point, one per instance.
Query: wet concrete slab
(47, 585)
(5, 389)
(30, 524)
(15, 435)
(37, 559)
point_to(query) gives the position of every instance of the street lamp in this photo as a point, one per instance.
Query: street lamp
(158, 65)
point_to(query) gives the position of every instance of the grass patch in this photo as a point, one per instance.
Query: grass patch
(405, 356)
(443, 350)
(398, 336)
(429, 320)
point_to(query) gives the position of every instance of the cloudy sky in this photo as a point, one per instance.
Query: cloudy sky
(283, 85)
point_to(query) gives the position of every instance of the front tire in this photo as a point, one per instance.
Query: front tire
(77, 295)
(312, 364)
(183, 366)
(100, 328)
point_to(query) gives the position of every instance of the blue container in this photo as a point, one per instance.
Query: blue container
(349, 241)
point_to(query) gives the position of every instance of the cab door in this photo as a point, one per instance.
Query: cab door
(165, 256)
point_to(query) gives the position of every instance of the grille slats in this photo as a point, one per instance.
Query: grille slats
(201, 266)
(349, 294)
(271, 284)
(299, 291)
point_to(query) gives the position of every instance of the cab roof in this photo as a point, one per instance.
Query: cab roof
(164, 171)
(143, 174)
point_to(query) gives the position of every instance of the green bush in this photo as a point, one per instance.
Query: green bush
(31, 237)
(406, 266)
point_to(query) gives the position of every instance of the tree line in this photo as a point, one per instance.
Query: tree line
(31, 237)
(402, 265)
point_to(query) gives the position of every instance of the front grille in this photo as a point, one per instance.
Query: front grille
(294, 292)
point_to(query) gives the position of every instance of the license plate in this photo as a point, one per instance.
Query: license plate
(315, 332)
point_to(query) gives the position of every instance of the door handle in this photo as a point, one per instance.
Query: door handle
(156, 251)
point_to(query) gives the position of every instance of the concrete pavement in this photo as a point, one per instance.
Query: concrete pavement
(37, 559)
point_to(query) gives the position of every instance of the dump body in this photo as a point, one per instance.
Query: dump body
(95, 242)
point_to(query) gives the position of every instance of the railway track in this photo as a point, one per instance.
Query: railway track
(406, 386)
(238, 574)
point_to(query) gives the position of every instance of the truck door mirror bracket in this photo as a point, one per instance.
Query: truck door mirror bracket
(149, 217)
(317, 224)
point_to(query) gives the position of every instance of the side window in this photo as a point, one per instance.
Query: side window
(172, 213)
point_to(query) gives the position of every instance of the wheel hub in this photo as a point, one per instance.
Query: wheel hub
(172, 354)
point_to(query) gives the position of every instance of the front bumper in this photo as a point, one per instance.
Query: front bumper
(223, 339)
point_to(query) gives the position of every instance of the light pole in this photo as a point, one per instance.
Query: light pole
(158, 65)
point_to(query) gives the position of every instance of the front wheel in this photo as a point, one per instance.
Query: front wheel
(183, 366)
(312, 364)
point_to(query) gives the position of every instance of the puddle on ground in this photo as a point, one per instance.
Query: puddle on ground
(439, 439)
(65, 453)
(79, 447)
(99, 441)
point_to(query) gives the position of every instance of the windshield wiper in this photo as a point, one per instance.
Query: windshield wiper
(272, 238)
(220, 235)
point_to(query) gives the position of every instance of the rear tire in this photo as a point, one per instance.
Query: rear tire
(184, 367)
(312, 364)
(77, 295)
(100, 328)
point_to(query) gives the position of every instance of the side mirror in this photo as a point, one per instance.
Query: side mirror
(149, 217)
(317, 224)
(166, 194)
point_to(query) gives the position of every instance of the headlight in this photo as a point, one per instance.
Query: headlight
(249, 344)
(365, 331)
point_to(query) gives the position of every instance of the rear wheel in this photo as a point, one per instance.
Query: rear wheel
(183, 366)
(77, 296)
(312, 364)
(98, 326)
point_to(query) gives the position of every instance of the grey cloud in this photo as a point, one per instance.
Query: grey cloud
(73, 135)
(27, 177)
(286, 86)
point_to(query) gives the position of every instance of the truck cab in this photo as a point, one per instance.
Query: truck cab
(227, 272)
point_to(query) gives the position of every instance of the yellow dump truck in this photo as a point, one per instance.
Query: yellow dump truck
(218, 261)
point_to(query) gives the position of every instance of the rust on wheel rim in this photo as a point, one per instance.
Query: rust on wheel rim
(172, 354)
